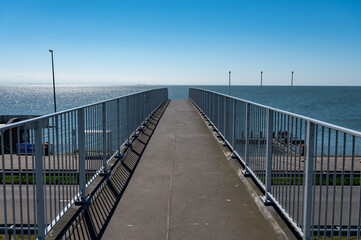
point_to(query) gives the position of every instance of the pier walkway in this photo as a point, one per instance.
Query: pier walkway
(142, 166)
(184, 188)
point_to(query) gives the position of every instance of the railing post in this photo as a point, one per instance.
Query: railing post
(81, 137)
(266, 199)
(118, 125)
(39, 180)
(104, 125)
(308, 173)
(224, 117)
(218, 112)
(234, 123)
(246, 147)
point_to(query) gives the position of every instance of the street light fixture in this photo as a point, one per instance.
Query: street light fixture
(52, 65)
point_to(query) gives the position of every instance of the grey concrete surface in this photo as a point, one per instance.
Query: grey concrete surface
(184, 188)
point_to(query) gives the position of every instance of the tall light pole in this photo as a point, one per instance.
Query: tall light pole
(291, 91)
(52, 65)
(229, 83)
(260, 101)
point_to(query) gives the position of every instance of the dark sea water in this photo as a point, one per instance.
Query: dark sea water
(337, 105)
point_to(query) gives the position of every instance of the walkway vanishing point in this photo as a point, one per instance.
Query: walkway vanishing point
(183, 188)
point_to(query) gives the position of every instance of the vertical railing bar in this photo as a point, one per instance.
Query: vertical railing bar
(299, 174)
(92, 137)
(295, 167)
(4, 185)
(74, 153)
(292, 180)
(274, 156)
(334, 186)
(232, 120)
(39, 180)
(66, 145)
(224, 117)
(268, 180)
(321, 182)
(262, 143)
(304, 160)
(282, 163)
(264, 130)
(351, 186)
(104, 125)
(62, 160)
(252, 125)
(12, 178)
(327, 179)
(49, 171)
(72, 135)
(20, 184)
(218, 112)
(258, 147)
(54, 164)
(118, 125)
(96, 137)
(71, 156)
(359, 215)
(57, 134)
(99, 138)
(81, 146)
(308, 172)
(34, 177)
(314, 180)
(289, 160)
(284, 173)
(280, 170)
(287, 124)
(27, 178)
(276, 140)
(261, 132)
(246, 150)
(254, 147)
(44, 172)
(87, 141)
(87, 144)
(342, 184)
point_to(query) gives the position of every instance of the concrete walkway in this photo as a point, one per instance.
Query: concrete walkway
(184, 188)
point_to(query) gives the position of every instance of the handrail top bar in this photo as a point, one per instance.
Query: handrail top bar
(17, 124)
(325, 124)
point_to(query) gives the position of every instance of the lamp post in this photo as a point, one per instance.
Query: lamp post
(52, 65)
(291, 92)
(229, 83)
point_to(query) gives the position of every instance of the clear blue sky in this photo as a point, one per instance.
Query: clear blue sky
(181, 42)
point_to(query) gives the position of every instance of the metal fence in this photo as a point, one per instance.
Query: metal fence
(48, 162)
(309, 169)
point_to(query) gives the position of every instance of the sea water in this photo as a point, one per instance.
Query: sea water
(340, 105)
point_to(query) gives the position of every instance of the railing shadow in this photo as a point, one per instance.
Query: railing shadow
(92, 222)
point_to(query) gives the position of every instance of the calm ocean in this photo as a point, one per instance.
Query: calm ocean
(337, 105)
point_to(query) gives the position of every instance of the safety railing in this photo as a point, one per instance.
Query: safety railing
(295, 160)
(49, 161)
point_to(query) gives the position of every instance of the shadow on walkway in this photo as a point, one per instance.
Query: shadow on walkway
(92, 222)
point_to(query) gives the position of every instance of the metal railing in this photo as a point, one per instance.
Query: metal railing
(295, 160)
(46, 163)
